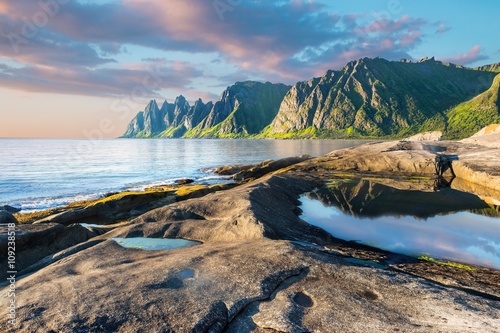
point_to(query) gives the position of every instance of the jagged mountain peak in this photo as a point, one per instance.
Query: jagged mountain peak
(180, 99)
(368, 97)
(152, 105)
(377, 97)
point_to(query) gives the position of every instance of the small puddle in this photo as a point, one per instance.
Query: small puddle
(302, 300)
(365, 263)
(88, 225)
(186, 274)
(153, 244)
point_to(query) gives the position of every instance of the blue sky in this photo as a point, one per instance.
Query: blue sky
(72, 68)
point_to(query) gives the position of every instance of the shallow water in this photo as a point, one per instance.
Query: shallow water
(153, 244)
(453, 234)
(37, 174)
(89, 225)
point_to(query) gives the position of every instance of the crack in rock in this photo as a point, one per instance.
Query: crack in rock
(219, 316)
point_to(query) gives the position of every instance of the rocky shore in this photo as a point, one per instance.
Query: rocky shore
(259, 267)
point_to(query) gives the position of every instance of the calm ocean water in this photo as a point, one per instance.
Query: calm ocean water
(37, 174)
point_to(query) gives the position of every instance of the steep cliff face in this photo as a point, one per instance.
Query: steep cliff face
(197, 113)
(366, 98)
(376, 97)
(490, 68)
(469, 117)
(176, 112)
(184, 117)
(147, 122)
(244, 108)
(153, 117)
(135, 127)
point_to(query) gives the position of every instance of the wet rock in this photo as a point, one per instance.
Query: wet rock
(10, 209)
(7, 218)
(302, 300)
(184, 181)
(108, 209)
(246, 172)
(35, 242)
(479, 164)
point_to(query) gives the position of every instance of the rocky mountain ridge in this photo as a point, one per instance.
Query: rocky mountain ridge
(367, 98)
(243, 109)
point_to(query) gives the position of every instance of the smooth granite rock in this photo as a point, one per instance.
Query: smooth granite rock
(426, 136)
(10, 209)
(6, 217)
(108, 288)
(260, 267)
(34, 242)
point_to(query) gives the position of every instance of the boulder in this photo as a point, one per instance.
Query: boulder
(10, 209)
(7, 218)
(426, 136)
(487, 137)
(184, 181)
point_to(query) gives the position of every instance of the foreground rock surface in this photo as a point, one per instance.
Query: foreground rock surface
(216, 287)
(260, 267)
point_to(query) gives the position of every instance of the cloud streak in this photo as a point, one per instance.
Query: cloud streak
(276, 40)
(143, 80)
(442, 29)
(473, 55)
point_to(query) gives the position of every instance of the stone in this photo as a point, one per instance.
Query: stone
(245, 172)
(7, 218)
(10, 209)
(426, 136)
(109, 209)
(143, 291)
(487, 137)
(184, 181)
(36, 241)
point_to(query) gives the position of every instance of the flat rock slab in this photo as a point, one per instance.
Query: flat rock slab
(220, 286)
(34, 242)
(474, 163)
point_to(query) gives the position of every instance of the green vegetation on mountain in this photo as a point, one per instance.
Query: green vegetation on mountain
(244, 109)
(377, 98)
(469, 117)
(368, 98)
(490, 68)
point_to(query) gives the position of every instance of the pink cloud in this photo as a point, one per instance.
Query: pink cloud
(278, 41)
(410, 38)
(442, 29)
(469, 57)
(127, 81)
(391, 26)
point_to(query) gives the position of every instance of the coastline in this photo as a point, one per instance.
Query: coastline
(41, 174)
(260, 214)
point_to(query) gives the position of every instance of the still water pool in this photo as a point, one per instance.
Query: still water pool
(448, 224)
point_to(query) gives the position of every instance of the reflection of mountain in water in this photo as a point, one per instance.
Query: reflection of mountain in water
(367, 198)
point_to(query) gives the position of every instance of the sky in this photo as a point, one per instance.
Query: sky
(84, 68)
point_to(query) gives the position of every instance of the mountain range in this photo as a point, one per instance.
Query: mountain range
(367, 98)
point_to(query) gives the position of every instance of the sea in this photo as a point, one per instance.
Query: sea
(37, 174)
